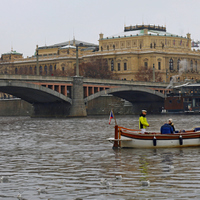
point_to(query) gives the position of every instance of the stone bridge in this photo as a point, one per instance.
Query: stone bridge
(46, 102)
(67, 96)
(130, 93)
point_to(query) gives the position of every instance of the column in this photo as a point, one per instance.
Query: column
(78, 108)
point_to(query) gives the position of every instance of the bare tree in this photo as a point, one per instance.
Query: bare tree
(144, 74)
(97, 68)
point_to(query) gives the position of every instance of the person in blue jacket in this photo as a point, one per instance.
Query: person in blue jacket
(166, 129)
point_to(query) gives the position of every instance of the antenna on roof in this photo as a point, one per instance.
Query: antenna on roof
(11, 46)
(74, 43)
(124, 21)
(142, 20)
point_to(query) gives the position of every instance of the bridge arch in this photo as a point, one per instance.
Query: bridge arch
(32, 93)
(129, 93)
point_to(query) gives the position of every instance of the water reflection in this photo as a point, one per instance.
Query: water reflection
(143, 168)
(167, 160)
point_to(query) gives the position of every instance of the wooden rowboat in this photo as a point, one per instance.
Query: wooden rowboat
(131, 138)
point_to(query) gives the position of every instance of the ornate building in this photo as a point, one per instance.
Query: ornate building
(150, 47)
(147, 46)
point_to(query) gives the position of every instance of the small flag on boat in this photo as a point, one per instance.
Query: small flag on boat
(111, 116)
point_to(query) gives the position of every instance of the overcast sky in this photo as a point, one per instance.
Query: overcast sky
(26, 23)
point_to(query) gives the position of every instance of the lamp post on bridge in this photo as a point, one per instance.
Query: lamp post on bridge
(37, 62)
(78, 108)
(77, 62)
(167, 75)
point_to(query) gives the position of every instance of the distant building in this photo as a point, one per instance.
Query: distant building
(11, 56)
(53, 59)
(137, 46)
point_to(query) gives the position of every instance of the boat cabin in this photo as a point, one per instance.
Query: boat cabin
(183, 98)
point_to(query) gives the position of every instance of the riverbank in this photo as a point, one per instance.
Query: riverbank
(15, 107)
(98, 106)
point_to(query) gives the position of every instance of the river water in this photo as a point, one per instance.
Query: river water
(67, 158)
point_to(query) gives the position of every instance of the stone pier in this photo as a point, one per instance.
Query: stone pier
(78, 108)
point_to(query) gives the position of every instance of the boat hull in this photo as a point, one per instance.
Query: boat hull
(160, 143)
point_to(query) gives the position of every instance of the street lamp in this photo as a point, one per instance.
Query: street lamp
(77, 63)
(166, 75)
(37, 61)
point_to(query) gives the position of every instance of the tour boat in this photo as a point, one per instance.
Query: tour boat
(131, 138)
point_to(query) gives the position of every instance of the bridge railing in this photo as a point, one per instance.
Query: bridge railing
(91, 86)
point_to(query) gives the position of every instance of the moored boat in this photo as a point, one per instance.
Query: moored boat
(131, 138)
(184, 99)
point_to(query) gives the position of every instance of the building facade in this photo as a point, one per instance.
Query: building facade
(148, 46)
(51, 60)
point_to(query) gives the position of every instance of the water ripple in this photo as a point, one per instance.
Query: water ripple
(69, 157)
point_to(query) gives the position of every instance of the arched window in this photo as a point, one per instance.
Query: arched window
(112, 65)
(170, 64)
(54, 68)
(178, 64)
(40, 69)
(118, 66)
(16, 70)
(159, 65)
(35, 70)
(146, 65)
(125, 66)
(191, 65)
